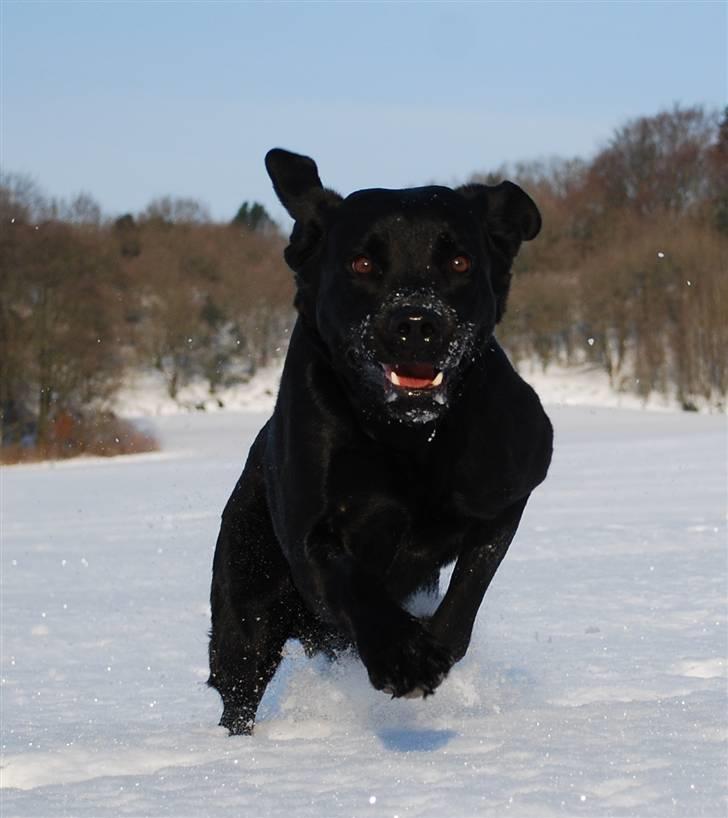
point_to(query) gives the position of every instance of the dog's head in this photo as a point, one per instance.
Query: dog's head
(404, 287)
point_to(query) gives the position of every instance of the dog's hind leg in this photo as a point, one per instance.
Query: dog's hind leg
(245, 651)
(253, 601)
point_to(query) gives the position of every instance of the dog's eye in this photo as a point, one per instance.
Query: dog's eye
(362, 265)
(460, 264)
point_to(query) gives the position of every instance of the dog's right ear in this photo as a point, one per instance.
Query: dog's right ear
(296, 182)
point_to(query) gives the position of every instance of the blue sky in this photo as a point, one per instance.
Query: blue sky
(132, 100)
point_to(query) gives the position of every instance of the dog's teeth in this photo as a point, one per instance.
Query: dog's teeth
(437, 380)
(394, 378)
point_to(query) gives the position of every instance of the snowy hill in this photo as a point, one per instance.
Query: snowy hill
(595, 686)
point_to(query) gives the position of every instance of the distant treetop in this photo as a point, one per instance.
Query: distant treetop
(254, 216)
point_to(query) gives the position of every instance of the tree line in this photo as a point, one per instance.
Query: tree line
(85, 300)
(629, 273)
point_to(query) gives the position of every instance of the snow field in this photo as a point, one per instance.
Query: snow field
(595, 685)
(144, 395)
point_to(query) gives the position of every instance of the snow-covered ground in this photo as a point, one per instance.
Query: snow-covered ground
(595, 685)
(145, 395)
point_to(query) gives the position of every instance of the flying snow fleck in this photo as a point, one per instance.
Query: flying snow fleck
(590, 341)
(372, 799)
(660, 254)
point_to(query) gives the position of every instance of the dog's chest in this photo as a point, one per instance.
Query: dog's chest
(431, 540)
(434, 527)
(398, 519)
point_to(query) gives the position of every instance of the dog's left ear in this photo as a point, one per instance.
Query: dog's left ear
(508, 216)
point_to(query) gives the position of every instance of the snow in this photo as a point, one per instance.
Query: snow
(588, 385)
(577, 385)
(595, 684)
(145, 395)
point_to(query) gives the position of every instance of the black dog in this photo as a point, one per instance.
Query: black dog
(402, 439)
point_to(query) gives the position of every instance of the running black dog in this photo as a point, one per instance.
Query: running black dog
(402, 439)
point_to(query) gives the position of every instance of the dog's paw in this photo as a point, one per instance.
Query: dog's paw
(406, 661)
(237, 723)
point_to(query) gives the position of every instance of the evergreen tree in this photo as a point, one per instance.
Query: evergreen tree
(254, 216)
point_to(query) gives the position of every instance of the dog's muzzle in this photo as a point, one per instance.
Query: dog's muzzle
(409, 353)
(413, 333)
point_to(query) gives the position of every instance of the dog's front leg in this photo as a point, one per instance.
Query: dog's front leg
(402, 657)
(452, 623)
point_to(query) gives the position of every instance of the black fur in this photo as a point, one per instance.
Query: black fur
(357, 491)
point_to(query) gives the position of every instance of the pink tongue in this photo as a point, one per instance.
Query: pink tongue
(414, 383)
(415, 376)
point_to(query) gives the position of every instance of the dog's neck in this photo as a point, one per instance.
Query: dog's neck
(414, 440)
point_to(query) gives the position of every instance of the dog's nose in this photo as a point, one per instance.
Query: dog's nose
(415, 331)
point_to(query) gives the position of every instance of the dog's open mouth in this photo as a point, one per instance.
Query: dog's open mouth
(413, 376)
